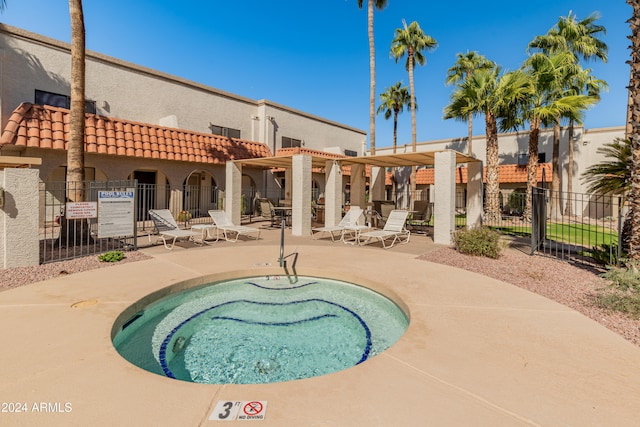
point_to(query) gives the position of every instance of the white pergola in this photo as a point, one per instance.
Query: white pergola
(301, 165)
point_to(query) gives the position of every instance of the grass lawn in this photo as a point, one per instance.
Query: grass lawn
(577, 234)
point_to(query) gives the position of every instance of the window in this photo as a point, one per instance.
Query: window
(350, 153)
(523, 158)
(228, 132)
(290, 142)
(63, 101)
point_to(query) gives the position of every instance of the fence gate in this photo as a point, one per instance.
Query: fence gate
(98, 224)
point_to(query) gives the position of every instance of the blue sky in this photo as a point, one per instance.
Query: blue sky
(313, 56)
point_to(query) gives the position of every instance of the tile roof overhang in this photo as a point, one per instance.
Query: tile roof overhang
(507, 174)
(47, 127)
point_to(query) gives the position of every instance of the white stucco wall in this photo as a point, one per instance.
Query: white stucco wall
(19, 244)
(128, 91)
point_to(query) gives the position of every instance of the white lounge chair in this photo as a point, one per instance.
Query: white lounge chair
(167, 227)
(348, 221)
(393, 228)
(223, 223)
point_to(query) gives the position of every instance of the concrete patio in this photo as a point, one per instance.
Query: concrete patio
(477, 352)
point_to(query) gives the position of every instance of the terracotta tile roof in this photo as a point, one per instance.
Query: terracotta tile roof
(506, 174)
(40, 126)
(301, 150)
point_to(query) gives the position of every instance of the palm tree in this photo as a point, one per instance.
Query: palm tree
(379, 4)
(581, 39)
(75, 150)
(392, 102)
(634, 137)
(412, 41)
(461, 71)
(613, 177)
(486, 92)
(581, 82)
(547, 104)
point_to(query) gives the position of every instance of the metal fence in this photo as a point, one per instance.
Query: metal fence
(575, 227)
(62, 238)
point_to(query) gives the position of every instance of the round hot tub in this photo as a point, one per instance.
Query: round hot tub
(260, 329)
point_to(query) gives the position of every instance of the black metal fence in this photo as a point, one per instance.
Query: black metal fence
(72, 234)
(575, 227)
(63, 238)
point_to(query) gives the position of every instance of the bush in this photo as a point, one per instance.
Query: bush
(113, 256)
(624, 293)
(626, 278)
(479, 241)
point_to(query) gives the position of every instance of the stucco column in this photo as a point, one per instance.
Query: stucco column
(445, 197)
(19, 240)
(376, 184)
(358, 185)
(474, 194)
(301, 192)
(233, 192)
(333, 193)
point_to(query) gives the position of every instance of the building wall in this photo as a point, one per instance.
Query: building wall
(513, 148)
(128, 91)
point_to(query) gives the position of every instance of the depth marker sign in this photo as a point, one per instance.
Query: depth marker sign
(251, 410)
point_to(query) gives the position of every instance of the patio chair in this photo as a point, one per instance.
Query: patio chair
(383, 208)
(394, 229)
(348, 221)
(267, 211)
(167, 227)
(223, 223)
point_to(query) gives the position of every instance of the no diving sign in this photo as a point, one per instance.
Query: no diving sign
(251, 410)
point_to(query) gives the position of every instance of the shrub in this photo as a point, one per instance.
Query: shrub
(626, 278)
(623, 294)
(479, 241)
(604, 254)
(113, 256)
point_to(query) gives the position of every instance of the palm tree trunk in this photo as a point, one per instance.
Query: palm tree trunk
(470, 137)
(395, 131)
(532, 166)
(492, 202)
(555, 174)
(413, 123)
(634, 137)
(372, 76)
(75, 149)
(569, 208)
(73, 231)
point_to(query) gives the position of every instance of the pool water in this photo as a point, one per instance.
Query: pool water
(261, 330)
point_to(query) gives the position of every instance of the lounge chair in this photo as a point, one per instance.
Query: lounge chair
(393, 229)
(167, 227)
(348, 222)
(223, 223)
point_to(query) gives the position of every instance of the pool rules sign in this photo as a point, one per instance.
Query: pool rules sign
(115, 213)
(250, 410)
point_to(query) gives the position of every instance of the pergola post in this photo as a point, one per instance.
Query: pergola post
(301, 192)
(474, 194)
(233, 192)
(376, 183)
(444, 222)
(333, 193)
(358, 184)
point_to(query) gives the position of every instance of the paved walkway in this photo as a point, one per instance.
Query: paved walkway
(478, 352)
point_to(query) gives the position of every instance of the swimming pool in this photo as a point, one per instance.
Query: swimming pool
(260, 329)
